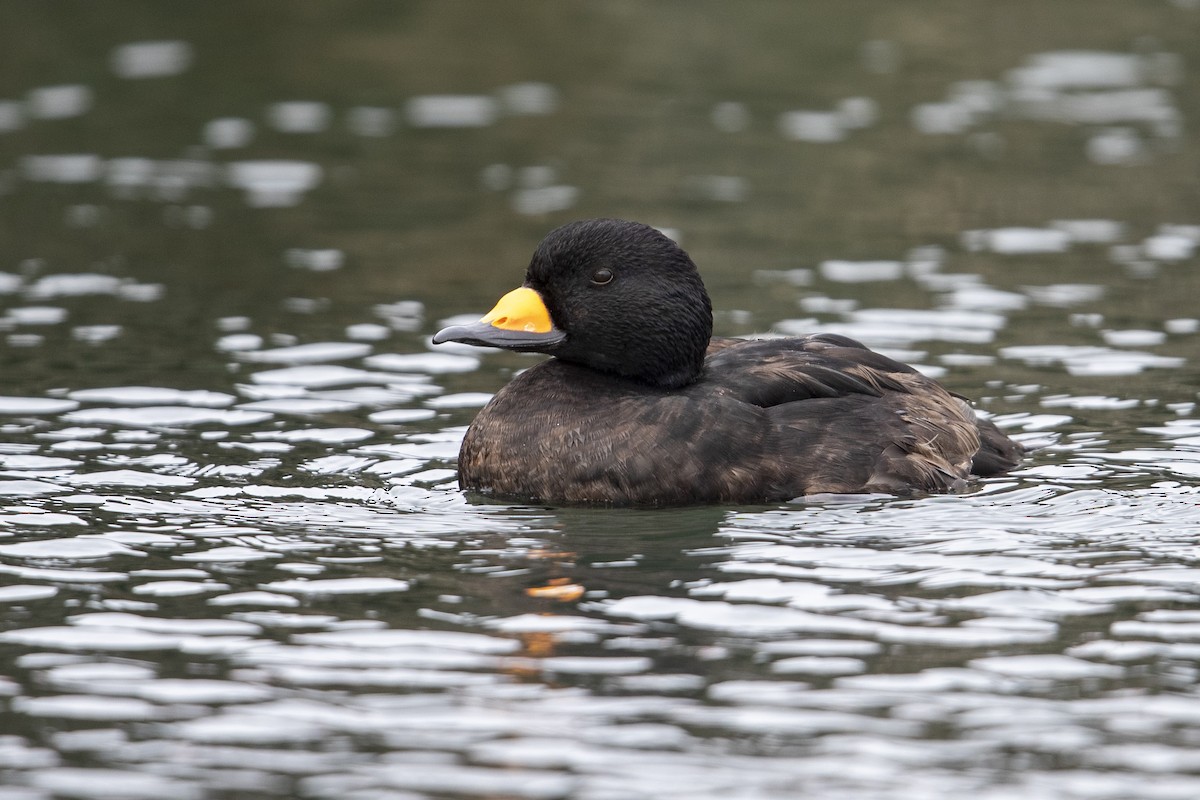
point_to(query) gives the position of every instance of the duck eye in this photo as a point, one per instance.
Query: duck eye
(602, 276)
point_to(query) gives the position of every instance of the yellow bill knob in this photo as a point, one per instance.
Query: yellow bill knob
(520, 310)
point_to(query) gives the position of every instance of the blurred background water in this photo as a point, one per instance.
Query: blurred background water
(233, 560)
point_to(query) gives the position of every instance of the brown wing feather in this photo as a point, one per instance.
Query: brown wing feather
(852, 420)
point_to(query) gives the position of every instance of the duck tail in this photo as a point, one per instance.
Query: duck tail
(997, 453)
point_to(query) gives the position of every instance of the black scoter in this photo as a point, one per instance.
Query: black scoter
(641, 406)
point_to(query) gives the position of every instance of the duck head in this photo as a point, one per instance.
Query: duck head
(615, 296)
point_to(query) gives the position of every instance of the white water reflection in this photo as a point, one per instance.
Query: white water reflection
(59, 102)
(1018, 241)
(1171, 246)
(163, 416)
(544, 199)
(152, 395)
(273, 184)
(299, 116)
(1123, 97)
(35, 405)
(452, 111)
(1091, 359)
(812, 126)
(140, 60)
(228, 132)
(67, 169)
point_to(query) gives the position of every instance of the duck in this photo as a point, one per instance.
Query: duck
(639, 405)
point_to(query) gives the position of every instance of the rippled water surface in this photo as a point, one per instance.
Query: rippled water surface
(234, 562)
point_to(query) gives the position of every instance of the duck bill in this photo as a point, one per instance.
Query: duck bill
(519, 321)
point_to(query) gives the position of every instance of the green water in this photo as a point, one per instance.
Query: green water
(1024, 177)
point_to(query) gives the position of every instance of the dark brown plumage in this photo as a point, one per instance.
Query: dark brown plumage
(640, 407)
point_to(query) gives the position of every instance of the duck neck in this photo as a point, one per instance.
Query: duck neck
(669, 365)
(679, 378)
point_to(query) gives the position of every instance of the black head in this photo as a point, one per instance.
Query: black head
(629, 299)
(622, 298)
